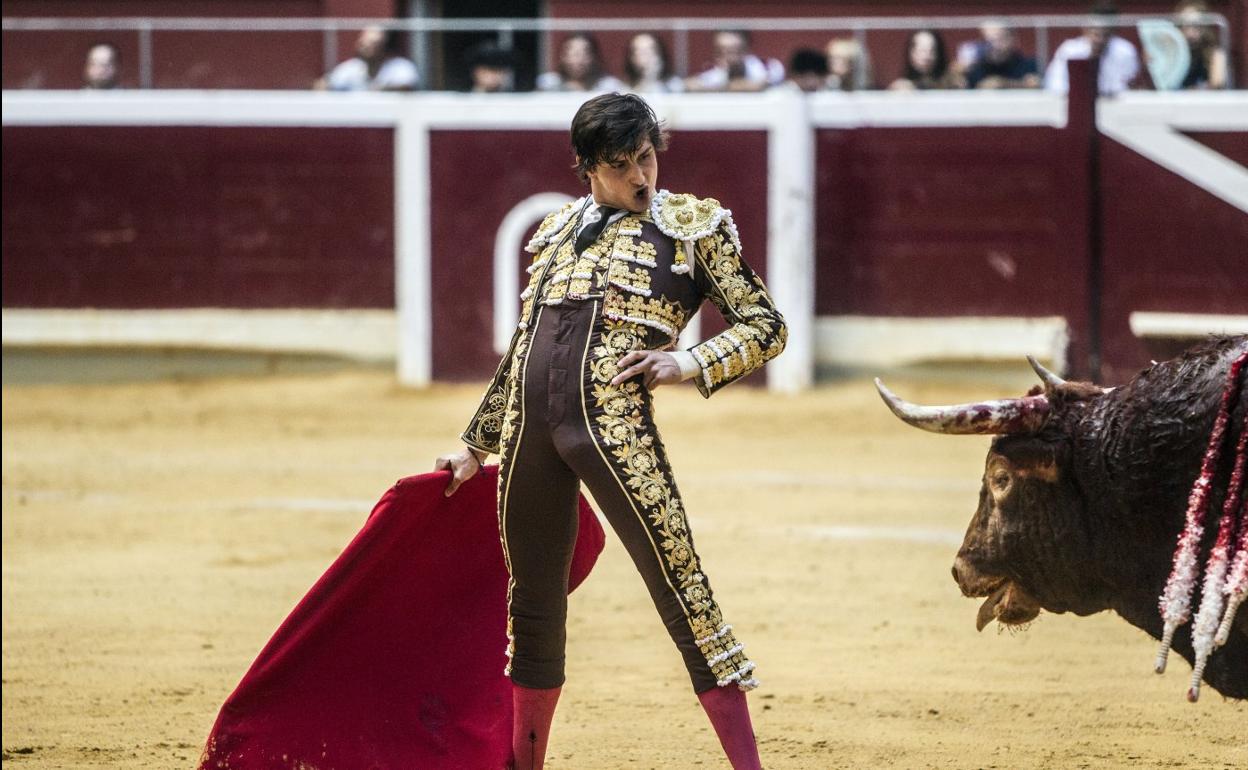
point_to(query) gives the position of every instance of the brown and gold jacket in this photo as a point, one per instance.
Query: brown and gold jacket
(654, 270)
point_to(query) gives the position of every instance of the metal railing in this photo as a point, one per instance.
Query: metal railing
(506, 28)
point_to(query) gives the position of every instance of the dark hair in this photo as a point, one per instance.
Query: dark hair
(939, 67)
(630, 70)
(808, 61)
(391, 42)
(611, 126)
(595, 69)
(1208, 42)
(489, 54)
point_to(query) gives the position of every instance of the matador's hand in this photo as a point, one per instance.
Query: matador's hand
(463, 465)
(658, 367)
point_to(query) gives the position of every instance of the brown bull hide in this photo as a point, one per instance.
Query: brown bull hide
(1080, 509)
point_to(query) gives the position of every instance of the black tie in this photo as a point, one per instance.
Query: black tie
(594, 229)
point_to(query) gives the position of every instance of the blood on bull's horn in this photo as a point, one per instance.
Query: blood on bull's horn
(1009, 415)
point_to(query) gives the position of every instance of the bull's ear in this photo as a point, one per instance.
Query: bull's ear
(1063, 390)
(1069, 392)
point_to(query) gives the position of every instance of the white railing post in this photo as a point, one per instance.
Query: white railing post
(791, 238)
(413, 247)
(146, 76)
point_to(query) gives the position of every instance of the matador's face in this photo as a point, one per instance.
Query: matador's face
(629, 181)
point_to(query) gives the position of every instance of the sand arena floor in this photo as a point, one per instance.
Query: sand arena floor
(155, 534)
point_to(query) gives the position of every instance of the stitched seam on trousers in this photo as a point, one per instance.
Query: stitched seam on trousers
(611, 469)
(502, 524)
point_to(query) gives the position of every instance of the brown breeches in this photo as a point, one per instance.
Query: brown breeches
(565, 424)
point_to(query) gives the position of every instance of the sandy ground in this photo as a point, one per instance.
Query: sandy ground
(155, 534)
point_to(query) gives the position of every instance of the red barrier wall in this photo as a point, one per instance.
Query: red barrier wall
(1168, 246)
(1228, 143)
(942, 222)
(478, 176)
(172, 217)
(909, 222)
(938, 222)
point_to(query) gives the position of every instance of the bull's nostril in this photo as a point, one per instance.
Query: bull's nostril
(954, 570)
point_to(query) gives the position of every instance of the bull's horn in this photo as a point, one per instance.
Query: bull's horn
(1051, 380)
(1010, 415)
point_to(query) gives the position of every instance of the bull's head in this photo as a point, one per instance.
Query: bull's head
(1026, 544)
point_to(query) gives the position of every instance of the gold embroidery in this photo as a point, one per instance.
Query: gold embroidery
(509, 417)
(575, 277)
(631, 279)
(655, 312)
(630, 247)
(685, 217)
(489, 420)
(552, 225)
(758, 333)
(556, 285)
(624, 434)
(512, 410)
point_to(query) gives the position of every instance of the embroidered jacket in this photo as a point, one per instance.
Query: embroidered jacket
(653, 269)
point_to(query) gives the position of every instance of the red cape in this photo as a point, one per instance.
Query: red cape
(394, 658)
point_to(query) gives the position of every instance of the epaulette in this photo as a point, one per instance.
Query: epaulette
(688, 218)
(551, 226)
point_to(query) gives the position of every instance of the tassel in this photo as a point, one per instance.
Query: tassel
(1236, 587)
(1175, 602)
(683, 262)
(1205, 627)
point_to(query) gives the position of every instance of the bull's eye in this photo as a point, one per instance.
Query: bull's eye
(1000, 481)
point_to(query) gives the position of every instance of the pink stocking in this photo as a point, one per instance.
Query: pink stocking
(533, 712)
(730, 716)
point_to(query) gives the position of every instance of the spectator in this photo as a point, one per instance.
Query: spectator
(735, 68)
(996, 62)
(580, 68)
(1120, 64)
(1208, 68)
(647, 67)
(376, 66)
(808, 70)
(492, 69)
(100, 70)
(849, 66)
(927, 64)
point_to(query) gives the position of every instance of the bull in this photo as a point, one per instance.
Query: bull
(1085, 490)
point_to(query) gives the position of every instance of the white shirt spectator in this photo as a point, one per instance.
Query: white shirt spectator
(395, 74)
(1119, 65)
(769, 73)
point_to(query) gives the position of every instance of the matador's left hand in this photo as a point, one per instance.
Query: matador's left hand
(659, 368)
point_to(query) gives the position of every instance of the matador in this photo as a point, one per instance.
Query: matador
(616, 276)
